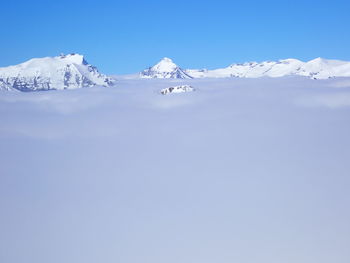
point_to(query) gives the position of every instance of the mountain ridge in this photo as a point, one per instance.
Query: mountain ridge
(318, 68)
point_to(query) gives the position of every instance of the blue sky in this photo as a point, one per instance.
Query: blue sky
(126, 36)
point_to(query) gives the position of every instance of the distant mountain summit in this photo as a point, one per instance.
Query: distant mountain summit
(165, 69)
(316, 69)
(52, 73)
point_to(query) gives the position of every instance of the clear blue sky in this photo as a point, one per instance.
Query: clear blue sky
(126, 36)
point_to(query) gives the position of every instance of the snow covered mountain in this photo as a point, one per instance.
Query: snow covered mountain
(165, 69)
(62, 72)
(72, 71)
(316, 69)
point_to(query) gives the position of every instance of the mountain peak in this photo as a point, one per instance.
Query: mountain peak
(73, 58)
(165, 65)
(165, 69)
(61, 72)
(165, 59)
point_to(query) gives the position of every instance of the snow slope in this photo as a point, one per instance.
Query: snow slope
(242, 170)
(165, 69)
(320, 68)
(62, 72)
(316, 69)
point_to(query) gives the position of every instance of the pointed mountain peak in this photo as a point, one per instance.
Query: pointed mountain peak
(165, 68)
(168, 60)
(165, 65)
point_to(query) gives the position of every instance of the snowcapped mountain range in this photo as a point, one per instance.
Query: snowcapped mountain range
(62, 72)
(73, 71)
(316, 69)
(165, 69)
